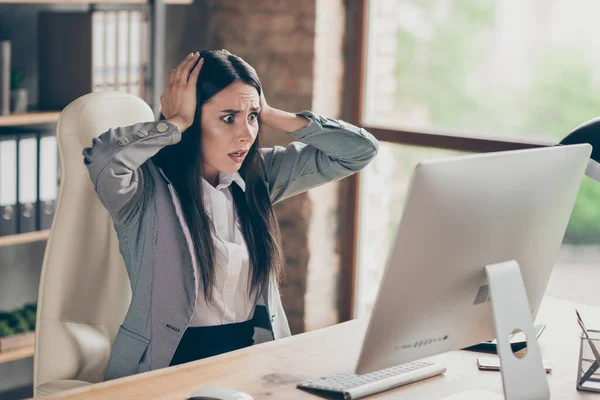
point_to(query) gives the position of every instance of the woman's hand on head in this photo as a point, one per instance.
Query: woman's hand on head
(178, 102)
(280, 120)
(265, 109)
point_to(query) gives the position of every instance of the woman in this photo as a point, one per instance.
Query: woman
(192, 199)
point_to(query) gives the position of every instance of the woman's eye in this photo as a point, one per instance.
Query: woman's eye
(252, 117)
(228, 119)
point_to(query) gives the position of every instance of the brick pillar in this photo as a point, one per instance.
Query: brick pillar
(277, 39)
(297, 53)
(380, 187)
(321, 299)
(381, 70)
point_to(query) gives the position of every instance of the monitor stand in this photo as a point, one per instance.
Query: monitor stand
(522, 378)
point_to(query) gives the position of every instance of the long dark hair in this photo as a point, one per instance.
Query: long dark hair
(182, 163)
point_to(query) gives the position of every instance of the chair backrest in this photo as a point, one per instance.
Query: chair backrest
(84, 289)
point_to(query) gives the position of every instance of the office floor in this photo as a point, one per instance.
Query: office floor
(576, 276)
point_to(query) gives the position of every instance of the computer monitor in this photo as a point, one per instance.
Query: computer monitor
(461, 214)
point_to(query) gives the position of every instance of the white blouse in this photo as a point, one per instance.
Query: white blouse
(231, 301)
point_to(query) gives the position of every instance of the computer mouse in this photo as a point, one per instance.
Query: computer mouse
(216, 393)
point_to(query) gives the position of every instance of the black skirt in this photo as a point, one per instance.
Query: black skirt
(207, 341)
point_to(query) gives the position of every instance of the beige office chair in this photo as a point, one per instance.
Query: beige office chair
(84, 288)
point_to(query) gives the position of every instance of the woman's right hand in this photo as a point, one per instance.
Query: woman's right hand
(178, 102)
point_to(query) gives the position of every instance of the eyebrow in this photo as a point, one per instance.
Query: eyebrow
(239, 111)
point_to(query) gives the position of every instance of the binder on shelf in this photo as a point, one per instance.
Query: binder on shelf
(27, 196)
(135, 53)
(8, 185)
(123, 50)
(47, 178)
(5, 52)
(98, 24)
(146, 78)
(110, 57)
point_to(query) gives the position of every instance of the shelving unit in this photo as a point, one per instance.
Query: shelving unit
(158, 13)
(157, 10)
(17, 354)
(30, 118)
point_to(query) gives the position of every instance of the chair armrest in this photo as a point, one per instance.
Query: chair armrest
(57, 386)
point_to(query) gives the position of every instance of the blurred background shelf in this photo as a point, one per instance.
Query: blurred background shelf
(24, 238)
(30, 118)
(17, 354)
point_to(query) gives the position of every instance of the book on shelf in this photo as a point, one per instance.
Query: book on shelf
(5, 53)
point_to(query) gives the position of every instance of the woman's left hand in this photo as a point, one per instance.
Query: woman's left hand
(265, 109)
(280, 120)
(277, 119)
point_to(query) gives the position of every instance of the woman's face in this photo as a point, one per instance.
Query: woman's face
(229, 128)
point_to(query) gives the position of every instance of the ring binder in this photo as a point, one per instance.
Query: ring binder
(8, 185)
(27, 193)
(47, 177)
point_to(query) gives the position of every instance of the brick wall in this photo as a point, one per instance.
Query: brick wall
(296, 48)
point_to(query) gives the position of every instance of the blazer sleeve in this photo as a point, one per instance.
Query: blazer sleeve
(114, 160)
(326, 150)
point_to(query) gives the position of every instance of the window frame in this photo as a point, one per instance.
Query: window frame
(356, 50)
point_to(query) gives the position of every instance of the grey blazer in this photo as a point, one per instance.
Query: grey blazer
(155, 241)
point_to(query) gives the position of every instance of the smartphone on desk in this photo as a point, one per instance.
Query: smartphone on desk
(518, 341)
(493, 364)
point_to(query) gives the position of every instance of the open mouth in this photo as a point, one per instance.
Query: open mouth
(238, 156)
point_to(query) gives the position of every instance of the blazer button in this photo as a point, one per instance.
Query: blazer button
(122, 141)
(162, 127)
(142, 133)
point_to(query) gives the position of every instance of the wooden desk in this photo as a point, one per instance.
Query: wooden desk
(271, 370)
